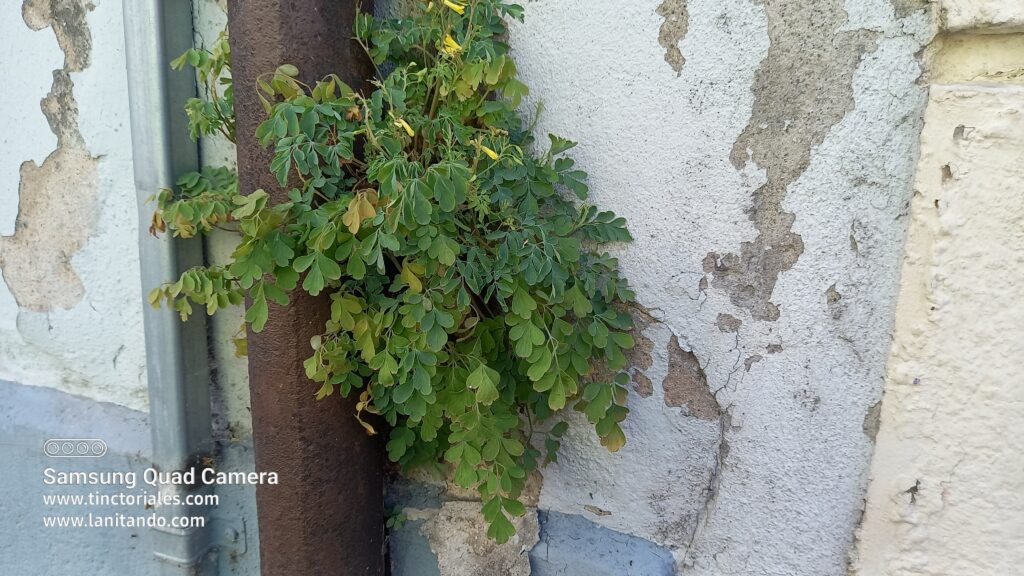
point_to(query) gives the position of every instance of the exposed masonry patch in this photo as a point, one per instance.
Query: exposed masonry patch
(728, 323)
(673, 30)
(450, 520)
(802, 89)
(642, 384)
(833, 298)
(67, 18)
(463, 549)
(873, 420)
(905, 8)
(639, 357)
(751, 360)
(687, 385)
(36, 260)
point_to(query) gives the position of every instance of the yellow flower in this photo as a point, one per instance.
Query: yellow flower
(401, 123)
(490, 153)
(455, 6)
(430, 6)
(451, 46)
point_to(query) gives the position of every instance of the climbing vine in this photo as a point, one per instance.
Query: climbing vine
(470, 299)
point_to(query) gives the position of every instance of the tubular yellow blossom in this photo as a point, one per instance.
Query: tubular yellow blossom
(430, 6)
(450, 46)
(490, 153)
(455, 6)
(401, 123)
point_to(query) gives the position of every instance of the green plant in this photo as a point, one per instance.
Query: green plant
(469, 300)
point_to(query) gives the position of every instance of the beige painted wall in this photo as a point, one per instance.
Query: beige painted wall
(947, 490)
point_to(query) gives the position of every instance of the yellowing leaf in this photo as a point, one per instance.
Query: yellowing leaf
(366, 210)
(615, 439)
(241, 346)
(364, 405)
(326, 390)
(353, 216)
(410, 278)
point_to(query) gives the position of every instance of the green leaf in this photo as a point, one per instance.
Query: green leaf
(485, 382)
(501, 530)
(559, 145)
(523, 304)
(540, 366)
(258, 312)
(556, 396)
(470, 297)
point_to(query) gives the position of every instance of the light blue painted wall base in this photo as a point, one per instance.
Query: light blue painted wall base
(572, 545)
(28, 417)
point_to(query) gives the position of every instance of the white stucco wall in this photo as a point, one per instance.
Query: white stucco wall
(70, 302)
(763, 153)
(947, 492)
(773, 486)
(946, 484)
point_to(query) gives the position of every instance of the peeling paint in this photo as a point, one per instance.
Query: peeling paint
(905, 8)
(642, 385)
(802, 89)
(833, 299)
(969, 57)
(873, 420)
(673, 30)
(639, 357)
(728, 323)
(67, 19)
(687, 385)
(56, 200)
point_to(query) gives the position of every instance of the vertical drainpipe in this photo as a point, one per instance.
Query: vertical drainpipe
(326, 515)
(176, 353)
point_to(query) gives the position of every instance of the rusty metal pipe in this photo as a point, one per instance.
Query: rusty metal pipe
(326, 515)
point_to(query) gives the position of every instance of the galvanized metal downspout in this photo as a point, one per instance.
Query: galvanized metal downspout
(176, 353)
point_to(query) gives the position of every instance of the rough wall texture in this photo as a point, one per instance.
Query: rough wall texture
(946, 487)
(68, 250)
(947, 461)
(985, 16)
(763, 152)
(766, 187)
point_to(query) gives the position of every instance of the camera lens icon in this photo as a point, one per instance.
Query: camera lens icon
(74, 448)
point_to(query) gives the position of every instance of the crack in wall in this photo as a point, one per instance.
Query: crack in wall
(802, 89)
(56, 200)
(672, 32)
